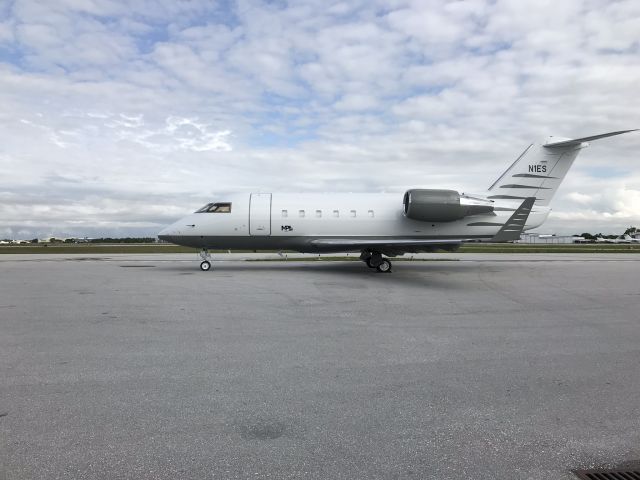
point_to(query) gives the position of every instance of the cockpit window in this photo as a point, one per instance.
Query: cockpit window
(215, 208)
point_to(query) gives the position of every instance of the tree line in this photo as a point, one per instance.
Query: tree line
(93, 240)
(589, 236)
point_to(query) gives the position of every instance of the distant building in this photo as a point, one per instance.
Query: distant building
(550, 238)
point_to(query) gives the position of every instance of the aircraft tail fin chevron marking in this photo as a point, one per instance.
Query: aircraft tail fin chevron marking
(540, 169)
(513, 228)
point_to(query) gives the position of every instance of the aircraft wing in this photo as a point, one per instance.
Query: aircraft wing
(512, 229)
(389, 247)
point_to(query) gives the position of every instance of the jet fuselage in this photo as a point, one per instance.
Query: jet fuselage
(290, 221)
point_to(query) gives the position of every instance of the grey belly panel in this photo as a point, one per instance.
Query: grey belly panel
(299, 244)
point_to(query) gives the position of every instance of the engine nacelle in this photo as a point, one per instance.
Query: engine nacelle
(443, 205)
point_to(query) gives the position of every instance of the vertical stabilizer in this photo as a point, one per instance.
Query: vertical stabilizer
(540, 169)
(537, 173)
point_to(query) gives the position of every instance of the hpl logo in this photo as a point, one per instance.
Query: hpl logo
(537, 169)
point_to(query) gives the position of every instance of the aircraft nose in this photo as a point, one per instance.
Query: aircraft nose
(168, 232)
(181, 233)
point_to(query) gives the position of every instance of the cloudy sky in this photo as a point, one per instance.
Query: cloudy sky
(117, 117)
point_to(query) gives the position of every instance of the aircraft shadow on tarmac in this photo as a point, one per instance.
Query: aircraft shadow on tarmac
(433, 274)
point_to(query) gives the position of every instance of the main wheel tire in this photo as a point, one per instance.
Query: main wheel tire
(368, 262)
(204, 266)
(384, 267)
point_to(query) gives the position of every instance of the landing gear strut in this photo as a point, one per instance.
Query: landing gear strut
(205, 256)
(375, 260)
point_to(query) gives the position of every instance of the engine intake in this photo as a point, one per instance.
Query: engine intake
(442, 205)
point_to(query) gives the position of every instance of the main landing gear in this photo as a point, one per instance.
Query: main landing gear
(205, 256)
(375, 260)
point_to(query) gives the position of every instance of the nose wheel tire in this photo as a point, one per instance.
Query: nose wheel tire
(206, 265)
(385, 266)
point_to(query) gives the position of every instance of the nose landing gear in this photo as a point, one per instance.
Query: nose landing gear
(205, 256)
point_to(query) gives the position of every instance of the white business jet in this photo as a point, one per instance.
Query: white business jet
(620, 239)
(385, 225)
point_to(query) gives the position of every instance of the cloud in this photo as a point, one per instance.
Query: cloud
(6, 33)
(114, 112)
(581, 198)
(177, 133)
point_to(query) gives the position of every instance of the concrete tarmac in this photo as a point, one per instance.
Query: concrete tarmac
(481, 367)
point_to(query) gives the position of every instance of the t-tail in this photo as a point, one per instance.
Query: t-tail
(540, 169)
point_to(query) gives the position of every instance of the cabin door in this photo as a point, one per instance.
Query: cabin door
(260, 214)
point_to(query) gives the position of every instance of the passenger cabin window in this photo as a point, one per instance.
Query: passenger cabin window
(353, 213)
(215, 208)
(318, 213)
(336, 213)
(301, 213)
(285, 213)
(371, 213)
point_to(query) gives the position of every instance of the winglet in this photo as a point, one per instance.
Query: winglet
(578, 141)
(512, 229)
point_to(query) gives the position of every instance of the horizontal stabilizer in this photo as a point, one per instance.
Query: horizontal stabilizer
(578, 141)
(512, 230)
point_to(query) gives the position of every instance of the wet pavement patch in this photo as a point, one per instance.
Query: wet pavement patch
(262, 430)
